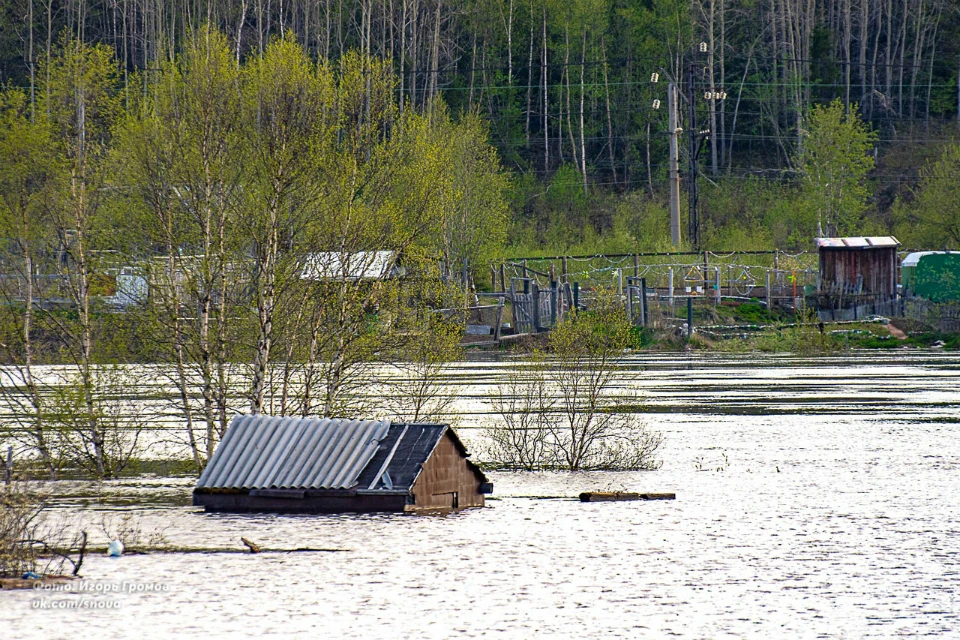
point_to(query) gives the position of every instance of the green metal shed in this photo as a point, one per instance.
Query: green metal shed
(934, 275)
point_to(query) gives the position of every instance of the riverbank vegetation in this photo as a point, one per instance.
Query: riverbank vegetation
(801, 336)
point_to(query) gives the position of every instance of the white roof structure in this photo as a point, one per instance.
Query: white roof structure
(913, 259)
(858, 242)
(358, 265)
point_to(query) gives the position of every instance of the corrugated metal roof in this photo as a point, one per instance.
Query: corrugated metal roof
(858, 242)
(266, 452)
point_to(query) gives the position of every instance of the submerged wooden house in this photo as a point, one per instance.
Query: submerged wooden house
(309, 465)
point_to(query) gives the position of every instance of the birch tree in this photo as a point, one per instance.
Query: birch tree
(834, 162)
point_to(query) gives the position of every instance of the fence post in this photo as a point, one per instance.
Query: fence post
(503, 277)
(636, 265)
(619, 282)
(9, 470)
(643, 299)
(717, 294)
(513, 306)
(769, 295)
(497, 326)
(563, 269)
(671, 289)
(706, 268)
(576, 296)
(689, 317)
(535, 305)
(629, 301)
(553, 303)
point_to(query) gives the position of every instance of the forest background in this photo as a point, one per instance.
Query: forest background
(565, 89)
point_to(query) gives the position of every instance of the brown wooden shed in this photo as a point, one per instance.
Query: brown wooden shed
(859, 266)
(326, 465)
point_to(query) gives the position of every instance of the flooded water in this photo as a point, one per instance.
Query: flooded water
(816, 498)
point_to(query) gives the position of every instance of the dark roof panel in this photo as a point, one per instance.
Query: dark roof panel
(405, 448)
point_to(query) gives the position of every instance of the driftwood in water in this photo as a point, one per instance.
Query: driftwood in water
(254, 547)
(617, 496)
(32, 583)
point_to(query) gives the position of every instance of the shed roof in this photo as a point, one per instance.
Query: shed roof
(858, 242)
(403, 452)
(913, 259)
(357, 265)
(266, 452)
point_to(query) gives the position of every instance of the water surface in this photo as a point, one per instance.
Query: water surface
(816, 498)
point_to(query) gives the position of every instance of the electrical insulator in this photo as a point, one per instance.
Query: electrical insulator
(707, 95)
(703, 47)
(723, 95)
(656, 104)
(654, 77)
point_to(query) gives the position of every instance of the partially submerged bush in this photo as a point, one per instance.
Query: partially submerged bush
(29, 542)
(524, 403)
(562, 412)
(19, 514)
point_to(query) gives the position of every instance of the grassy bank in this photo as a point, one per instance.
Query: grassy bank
(790, 335)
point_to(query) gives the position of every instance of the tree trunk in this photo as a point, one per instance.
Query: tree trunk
(606, 94)
(546, 102)
(583, 91)
(527, 112)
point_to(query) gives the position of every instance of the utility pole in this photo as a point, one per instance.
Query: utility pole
(693, 164)
(674, 165)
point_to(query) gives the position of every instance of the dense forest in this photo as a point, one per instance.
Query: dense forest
(575, 94)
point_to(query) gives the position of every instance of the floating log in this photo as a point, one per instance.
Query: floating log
(32, 583)
(254, 547)
(617, 496)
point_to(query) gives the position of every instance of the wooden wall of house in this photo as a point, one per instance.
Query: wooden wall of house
(447, 481)
(841, 268)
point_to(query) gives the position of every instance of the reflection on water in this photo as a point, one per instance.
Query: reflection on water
(815, 498)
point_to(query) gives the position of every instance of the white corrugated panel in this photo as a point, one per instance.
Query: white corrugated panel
(266, 452)
(357, 265)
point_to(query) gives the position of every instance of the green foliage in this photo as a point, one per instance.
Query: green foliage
(834, 162)
(753, 312)
(233, 189)
(601, 333)
(932, 219)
